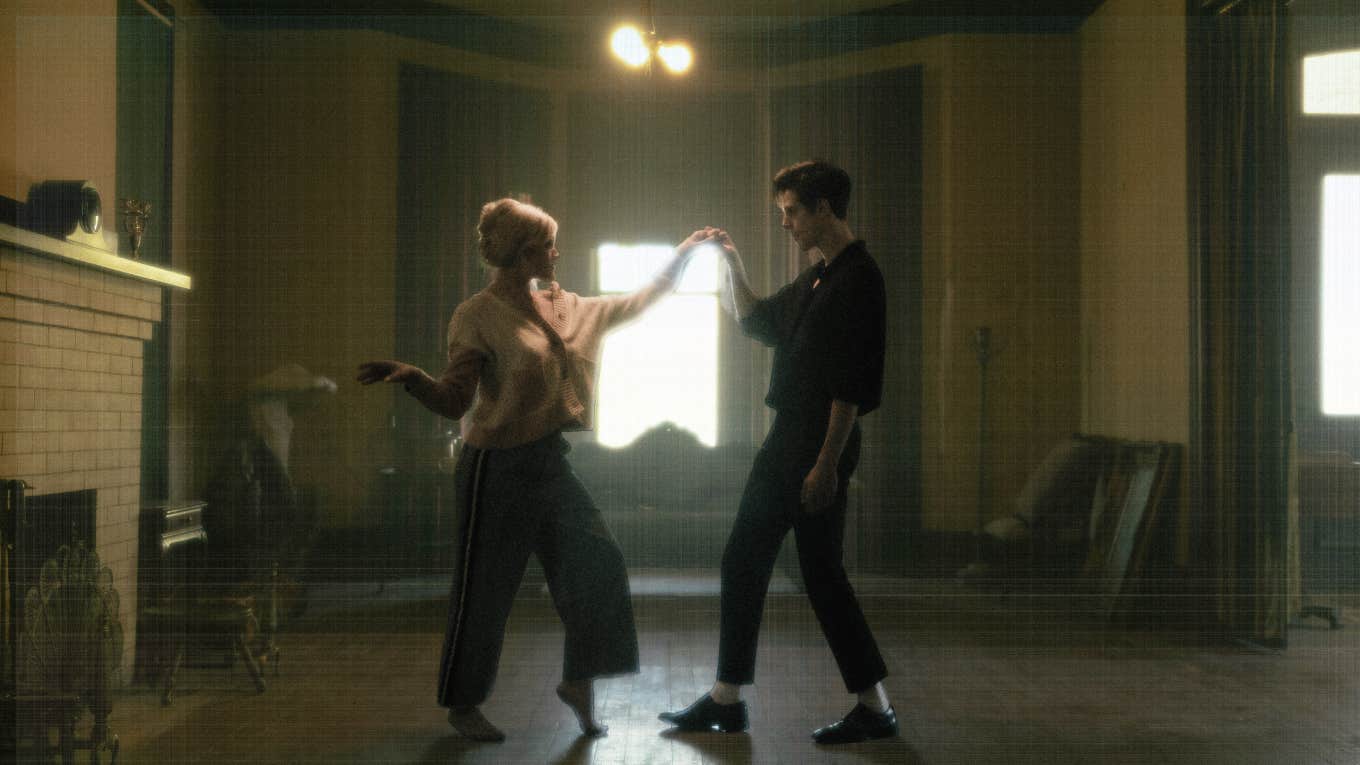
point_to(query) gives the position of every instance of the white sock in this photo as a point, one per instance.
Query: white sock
(725, 693)
(875, 698)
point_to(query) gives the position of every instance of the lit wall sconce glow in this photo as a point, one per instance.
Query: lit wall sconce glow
(628, 44)
(676, 57)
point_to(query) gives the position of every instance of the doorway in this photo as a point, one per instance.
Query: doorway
(1324, 145)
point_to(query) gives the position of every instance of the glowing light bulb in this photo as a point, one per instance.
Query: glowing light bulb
(677, 57)
(628, 44)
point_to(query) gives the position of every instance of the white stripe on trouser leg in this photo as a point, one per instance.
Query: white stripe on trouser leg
(473, 503)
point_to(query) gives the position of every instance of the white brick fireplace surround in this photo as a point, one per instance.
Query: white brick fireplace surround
(73, 323)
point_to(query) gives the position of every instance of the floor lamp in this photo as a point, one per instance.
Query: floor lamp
(982, 343)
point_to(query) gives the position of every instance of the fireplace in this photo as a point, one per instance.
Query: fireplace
(45, 522)
(60, 620)
(39, 525)
(74, 322)
(42, 525)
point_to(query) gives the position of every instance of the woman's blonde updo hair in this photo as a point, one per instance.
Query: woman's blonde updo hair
(507, 227)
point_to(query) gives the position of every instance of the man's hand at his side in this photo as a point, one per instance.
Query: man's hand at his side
(819, 488)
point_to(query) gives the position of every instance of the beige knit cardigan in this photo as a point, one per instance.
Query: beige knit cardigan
(529, 375)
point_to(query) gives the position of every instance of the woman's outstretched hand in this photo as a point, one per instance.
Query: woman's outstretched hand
(694, 240)
(387, 371)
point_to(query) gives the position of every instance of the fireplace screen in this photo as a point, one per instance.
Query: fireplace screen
(63, 635)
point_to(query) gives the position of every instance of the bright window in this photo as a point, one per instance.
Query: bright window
(1331, 83)
(1340, 280)
(663, 366)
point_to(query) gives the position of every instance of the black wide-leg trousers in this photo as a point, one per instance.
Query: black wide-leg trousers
(769, 508)
(510, 503)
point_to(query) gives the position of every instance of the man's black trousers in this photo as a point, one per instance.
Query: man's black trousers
(769, 508)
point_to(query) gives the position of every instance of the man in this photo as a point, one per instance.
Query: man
(827, 328)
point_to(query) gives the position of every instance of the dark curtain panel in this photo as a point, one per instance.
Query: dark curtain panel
(1237, 118)
(870, 124)
(461, 143)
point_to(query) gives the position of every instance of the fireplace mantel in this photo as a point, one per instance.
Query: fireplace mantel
(81, 255)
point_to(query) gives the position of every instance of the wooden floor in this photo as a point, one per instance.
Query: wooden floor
(975, 679)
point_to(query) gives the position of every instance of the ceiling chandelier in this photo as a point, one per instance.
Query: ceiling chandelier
(636, 48)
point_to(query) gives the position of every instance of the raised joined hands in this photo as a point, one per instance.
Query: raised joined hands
(710, 234)
(692, 241)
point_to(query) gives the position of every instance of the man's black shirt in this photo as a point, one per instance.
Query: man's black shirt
(828, 340)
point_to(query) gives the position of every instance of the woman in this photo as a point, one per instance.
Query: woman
(521, 365)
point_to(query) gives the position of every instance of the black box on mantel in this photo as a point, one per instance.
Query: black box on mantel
(10, 210)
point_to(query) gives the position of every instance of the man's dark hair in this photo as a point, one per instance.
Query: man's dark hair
(813, 180)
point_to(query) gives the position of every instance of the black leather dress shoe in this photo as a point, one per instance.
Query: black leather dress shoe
(862, 724)
(707, 714)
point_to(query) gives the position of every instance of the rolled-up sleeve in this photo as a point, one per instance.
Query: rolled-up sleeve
(769, 319)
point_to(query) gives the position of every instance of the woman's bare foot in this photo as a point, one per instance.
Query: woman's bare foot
(470, 722)
(580, 697)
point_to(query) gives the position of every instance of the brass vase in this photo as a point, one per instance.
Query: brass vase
(135, 213)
